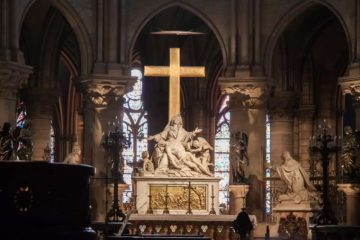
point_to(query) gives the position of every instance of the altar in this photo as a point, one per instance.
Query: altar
(172, 193)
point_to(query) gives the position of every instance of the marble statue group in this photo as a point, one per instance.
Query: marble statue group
(179, 152)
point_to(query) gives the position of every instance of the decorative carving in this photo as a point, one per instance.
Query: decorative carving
(103, 95)
(282, 106)
(12, 77)
(352, 88)
(178, 197)
(293, 227)
(349, 189)
(204, 228)
(173, 228)
(103, 90)
(245, 96)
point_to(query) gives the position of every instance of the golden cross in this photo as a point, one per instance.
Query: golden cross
(174, 72)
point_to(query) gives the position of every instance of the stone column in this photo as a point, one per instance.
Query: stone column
(13, 76)
(282, 108)
(103, 103)
(237, 198)
(352, 192)
(40, 106)
(305, 129)
(247, 113)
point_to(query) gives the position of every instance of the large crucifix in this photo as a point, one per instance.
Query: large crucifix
(174, 72)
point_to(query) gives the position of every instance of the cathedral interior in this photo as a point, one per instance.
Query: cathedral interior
(269, 128)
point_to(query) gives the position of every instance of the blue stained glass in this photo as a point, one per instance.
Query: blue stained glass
(222, 145)
(136, 105)
(222, 162)
(222, 150)
(127, 178)
(223, 197)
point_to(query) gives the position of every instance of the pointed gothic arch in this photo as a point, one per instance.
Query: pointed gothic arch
(78, 27)
(191, 9)
(288, 18)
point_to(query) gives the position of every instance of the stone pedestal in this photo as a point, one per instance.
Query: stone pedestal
(177, 189)
(352, 192)
(237, 197)
(293, 215)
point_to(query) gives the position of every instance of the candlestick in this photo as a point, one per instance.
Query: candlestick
(166, 210)
(189, 200)
(212, 211)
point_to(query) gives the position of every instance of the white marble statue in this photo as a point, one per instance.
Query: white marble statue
(179, 153)
(297, 180)
(74, 156)
(148, 166)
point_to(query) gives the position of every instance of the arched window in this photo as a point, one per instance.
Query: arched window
(222, 151)
(52, 143)
(135, 127)
(267, 170)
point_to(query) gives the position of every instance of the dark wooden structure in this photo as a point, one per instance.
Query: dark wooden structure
(40, 200)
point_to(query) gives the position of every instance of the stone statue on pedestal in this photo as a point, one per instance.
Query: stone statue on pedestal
(74, 156)
(148, 166)
(239, 156)
(179, 152)
(299, 187)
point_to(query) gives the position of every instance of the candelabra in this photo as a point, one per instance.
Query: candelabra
(325, 144)
(114, 143)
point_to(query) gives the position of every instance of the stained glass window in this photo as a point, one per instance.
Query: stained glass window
(21, 114)
(135, 127)
(222, 151)
(267, 170)
(52, 143)
(20, 121)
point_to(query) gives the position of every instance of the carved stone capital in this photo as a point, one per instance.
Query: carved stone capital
(244, 93)
(350, 189)
(351, 85)
(12, 77)
(283, 105)
(239, 191)
(103, 90)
